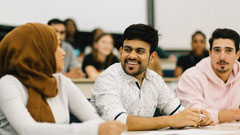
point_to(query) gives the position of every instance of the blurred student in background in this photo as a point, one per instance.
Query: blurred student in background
(165, 55)
(101, 57)
(95, 33)
(198, 53)
(71, 66)
(34, 98)
(155, 65)
(73, 36)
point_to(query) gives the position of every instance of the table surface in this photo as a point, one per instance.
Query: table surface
(219, 129)
(86, 84)
(90, 80)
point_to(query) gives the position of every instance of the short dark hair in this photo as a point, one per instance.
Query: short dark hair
(225, 34)
(198, 32)
(142, 32)
(55, 21)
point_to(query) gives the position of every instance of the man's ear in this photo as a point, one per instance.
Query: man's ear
(209, 52)
(238, 54)
(153, 56)
(120, 52)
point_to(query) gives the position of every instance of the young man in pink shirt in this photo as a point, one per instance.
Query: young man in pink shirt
(214, 83)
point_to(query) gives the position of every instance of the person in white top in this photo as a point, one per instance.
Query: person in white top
(129, 92)
(34, 100)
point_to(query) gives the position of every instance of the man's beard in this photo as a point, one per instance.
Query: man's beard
(222, 70)
(136, 73)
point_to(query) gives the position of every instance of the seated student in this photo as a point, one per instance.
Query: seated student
(213, 84)
(95, 33)
(198, 52)
(73, 35)
(155, 65)
(34, 100)
(71, 65)
(129, 92)
(165, 55)
(101, 56)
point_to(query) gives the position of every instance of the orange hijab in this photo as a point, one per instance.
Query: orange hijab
(28, 53)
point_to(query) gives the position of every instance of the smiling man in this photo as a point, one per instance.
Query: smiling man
(129, 92)
(213, 84)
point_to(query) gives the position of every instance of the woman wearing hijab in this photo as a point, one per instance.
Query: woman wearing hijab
(34, 100)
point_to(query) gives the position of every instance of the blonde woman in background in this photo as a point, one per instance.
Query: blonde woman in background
(101, 57)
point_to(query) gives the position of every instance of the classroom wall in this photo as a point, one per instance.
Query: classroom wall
(110, 15)
(177, 20)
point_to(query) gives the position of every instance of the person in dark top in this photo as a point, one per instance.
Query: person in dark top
(198, 53)
(73, 36)
(101, 57)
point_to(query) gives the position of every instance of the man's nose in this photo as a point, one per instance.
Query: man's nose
(222, 55)
(132, 55)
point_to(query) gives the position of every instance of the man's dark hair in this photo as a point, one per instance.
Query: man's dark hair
(142, 32)
(55, 21)
(198, 32)
(225, 34)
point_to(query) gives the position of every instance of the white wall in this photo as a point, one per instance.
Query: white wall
(110, 15)
(177, 20)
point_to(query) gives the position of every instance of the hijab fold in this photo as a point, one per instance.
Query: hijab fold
(28, 53)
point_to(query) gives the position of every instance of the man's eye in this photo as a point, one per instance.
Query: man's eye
(195, 41)
(127, 49)
(140, 51)
(202, 42)
(229, 50)
(216, 50)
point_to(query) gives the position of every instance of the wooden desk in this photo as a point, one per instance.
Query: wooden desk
(85, 84)
(170, 79)
(222, 129)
